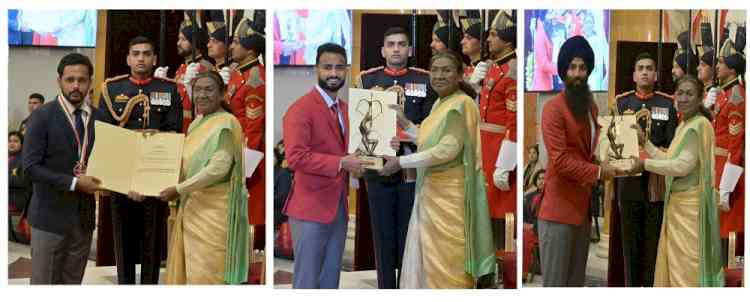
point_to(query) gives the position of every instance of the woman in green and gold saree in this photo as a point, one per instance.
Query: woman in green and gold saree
(449, 242)
(689, 246)
(209, 240)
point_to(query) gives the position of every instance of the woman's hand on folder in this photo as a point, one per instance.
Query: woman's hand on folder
(133, 195)
(169, 194)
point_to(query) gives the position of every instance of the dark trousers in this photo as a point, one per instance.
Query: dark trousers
(641, 227)
(59, 258)
(390, 209)
(498, 233)
(140, 231)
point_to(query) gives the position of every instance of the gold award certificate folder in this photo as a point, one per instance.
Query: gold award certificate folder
(125, 160)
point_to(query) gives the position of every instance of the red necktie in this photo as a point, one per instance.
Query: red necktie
(336, 114)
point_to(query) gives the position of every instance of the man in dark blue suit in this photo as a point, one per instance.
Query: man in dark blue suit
(59, 138)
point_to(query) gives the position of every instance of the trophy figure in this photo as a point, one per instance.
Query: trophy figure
(401, 102)
(612, 136)
(371, 109)
(623, 141)
(644, 115)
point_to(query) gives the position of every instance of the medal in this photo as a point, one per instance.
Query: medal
(80, 167)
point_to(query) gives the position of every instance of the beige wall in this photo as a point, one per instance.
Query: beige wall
(34, 69)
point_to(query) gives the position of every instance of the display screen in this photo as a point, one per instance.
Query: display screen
(298, 33)
(68, 28)
(547, 29)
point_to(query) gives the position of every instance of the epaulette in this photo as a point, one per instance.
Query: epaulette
(254, 80)
(624, 94)
(371, 70)
(166, 79)
(736, 97)
(366, 72)
(417, 69)
(117, 78)
(664, 95)
(512, 69)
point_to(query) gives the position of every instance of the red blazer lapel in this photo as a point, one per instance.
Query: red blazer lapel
(579, 128)
(332, 121)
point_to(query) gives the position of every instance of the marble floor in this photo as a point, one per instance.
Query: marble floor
(596, 268)
(283, 268)
(19, 260)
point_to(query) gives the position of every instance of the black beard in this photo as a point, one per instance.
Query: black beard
(323, 84)
(184, 53)
(67, 97)
(579, 98)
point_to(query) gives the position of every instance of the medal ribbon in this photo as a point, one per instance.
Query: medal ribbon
(81, 147)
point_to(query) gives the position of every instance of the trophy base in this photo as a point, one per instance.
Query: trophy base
(372, 162)
(623, 164)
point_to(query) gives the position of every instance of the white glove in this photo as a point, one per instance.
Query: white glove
(724, 200)
(710, 99)
(161, 72)
(226, 74)
(190, 72)
(480, 71)
(500, 178)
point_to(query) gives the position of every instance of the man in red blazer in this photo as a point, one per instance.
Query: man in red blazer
(316, 138)
(570, 134)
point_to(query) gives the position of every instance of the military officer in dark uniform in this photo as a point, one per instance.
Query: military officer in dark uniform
(641, 198)
(391, 198)
(140, 102)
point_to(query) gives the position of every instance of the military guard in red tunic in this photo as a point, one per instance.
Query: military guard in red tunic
(246, 93)
(497, 106)
(195, 62)
(729, 128)
(471, 44)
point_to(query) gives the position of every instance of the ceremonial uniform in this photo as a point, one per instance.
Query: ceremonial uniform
(641, 198)
(497, 108)
(391, 198)
(247, 94)
(469, 69)
(140, 227)
(198, 36)
(472, 28)
(187, 104)
(729, 130)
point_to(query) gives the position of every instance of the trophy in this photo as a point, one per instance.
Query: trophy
(623, 140)
(375, 124)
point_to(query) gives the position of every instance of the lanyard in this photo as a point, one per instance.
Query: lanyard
(81, 147)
